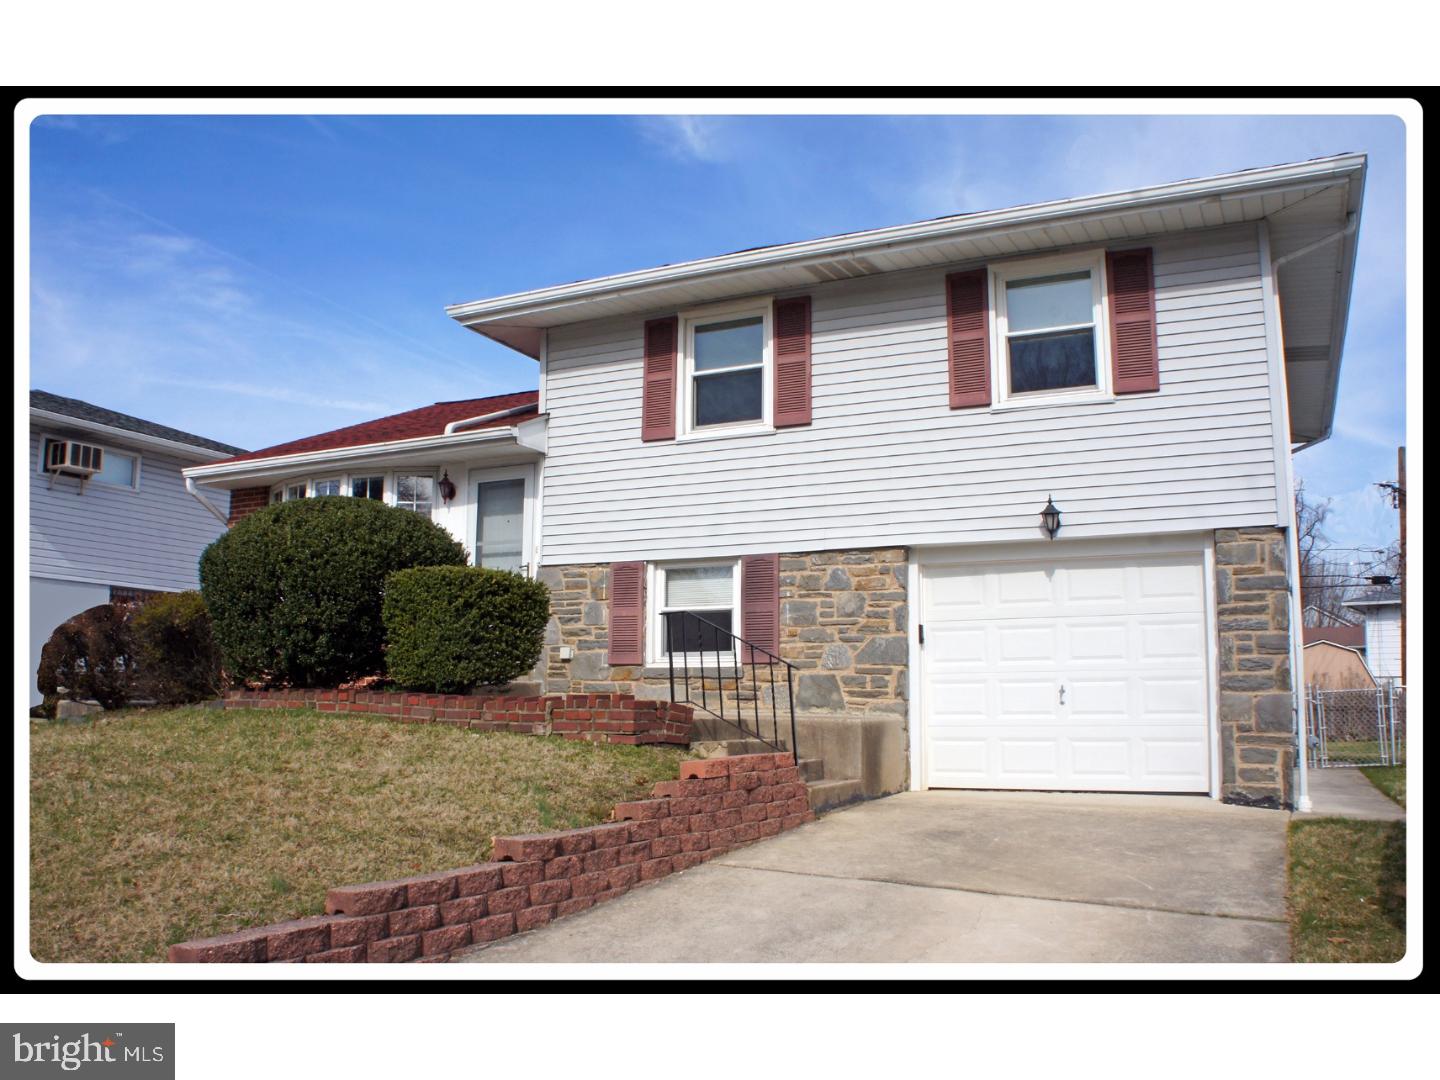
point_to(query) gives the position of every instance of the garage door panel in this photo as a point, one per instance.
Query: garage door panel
(1124, 636)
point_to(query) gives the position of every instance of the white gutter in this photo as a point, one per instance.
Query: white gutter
(456, 425)
(280, 463)
(126, 435)
(850, 245)
(193, 490)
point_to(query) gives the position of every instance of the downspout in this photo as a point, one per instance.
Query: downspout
(193, 490)
(1274, 341)
(1352, 222)
(471, 421)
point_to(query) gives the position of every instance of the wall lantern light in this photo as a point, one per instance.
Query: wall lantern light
(1050, 517)
(447, 486)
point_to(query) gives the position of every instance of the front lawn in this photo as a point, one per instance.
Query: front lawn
(1347, 891)
(152, 827)
(1390, 779)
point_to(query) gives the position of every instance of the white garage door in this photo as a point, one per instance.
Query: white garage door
(1079, 674)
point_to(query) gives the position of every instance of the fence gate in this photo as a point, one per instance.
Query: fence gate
(1355, 727)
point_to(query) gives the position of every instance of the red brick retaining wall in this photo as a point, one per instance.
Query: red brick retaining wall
(715, 806)
(610, 718)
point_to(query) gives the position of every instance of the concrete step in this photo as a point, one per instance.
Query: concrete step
(811, 769)
(828, 794)
(713, 748)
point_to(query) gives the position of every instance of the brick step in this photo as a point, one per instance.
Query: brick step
(828, 794)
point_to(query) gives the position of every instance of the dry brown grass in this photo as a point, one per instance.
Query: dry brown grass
(153, 827)
(1347, 891)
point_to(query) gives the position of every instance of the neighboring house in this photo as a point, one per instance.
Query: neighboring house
(1314, 616)
(1349, 637)
(1330, 665)
(114, 524)
(840, 449)
(1380, 605)
(471, 466)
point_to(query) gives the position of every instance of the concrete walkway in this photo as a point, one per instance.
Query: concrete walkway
(960, 877)
(1347, 793)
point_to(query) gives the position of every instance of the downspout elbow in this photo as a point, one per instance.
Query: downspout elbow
(203, 501)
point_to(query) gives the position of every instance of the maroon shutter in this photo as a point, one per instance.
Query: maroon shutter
(968, 321)
(792, 361)
(657, 411)
(627, 613)
(1134, 351)
(760, 605)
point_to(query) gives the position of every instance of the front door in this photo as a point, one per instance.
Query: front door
(500, 524)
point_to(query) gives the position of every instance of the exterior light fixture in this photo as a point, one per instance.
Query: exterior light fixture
(1050, 517)
(446, 486)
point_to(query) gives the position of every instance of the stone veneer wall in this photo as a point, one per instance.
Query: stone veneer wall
(843, 624)
(842, 618)
(1256, 693)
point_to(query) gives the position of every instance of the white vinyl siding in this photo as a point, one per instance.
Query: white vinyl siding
(886, 461)
(150, 538)
(1382, 641)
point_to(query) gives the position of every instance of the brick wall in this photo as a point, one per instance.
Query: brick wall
(1257, 741)
(716, 805)
(246, 501)
(609, 718)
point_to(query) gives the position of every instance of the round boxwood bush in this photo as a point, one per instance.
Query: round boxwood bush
(451, 628)
(294, 590)
(176, 658)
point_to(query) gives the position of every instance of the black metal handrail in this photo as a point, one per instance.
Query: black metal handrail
(755, 656)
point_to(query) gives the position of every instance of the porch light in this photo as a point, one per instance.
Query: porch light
(446, 486)
(1050, 517)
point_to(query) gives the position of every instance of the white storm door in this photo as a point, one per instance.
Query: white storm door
(1078, 674)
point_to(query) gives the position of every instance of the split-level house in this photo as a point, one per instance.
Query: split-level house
(1009, 494)
(111, 516)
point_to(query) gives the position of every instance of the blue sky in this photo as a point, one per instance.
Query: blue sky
(256, 279)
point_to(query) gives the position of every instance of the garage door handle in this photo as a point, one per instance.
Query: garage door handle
(1062, 693)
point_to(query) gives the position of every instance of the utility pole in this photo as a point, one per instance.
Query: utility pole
(1396, 491)
(1404, 577)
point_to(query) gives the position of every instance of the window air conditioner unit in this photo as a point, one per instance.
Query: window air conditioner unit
(65, 457)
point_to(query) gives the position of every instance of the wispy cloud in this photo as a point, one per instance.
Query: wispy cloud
(178, 325)
(688, 138)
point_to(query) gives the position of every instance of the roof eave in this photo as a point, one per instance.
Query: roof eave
(483, 315)
(125, 435)
(258, 467)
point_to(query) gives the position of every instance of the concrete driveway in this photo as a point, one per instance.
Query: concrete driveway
(968, 877)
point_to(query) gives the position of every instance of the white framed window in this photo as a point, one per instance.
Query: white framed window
(1050, 342)
(415, 491)
(702, 600)
(117, 468)
(295, 491)
(725, 369)
(331, 485)
(368, 487)
(277, 496)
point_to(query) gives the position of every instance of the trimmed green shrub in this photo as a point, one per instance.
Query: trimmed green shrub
(451, 628)
(176, 658)
(89, 657)
(294, 590)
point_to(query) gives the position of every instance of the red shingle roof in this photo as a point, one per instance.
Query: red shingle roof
(1352, 636)
(415, 424)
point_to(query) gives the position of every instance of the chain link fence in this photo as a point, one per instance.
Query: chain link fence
(1355, 727)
